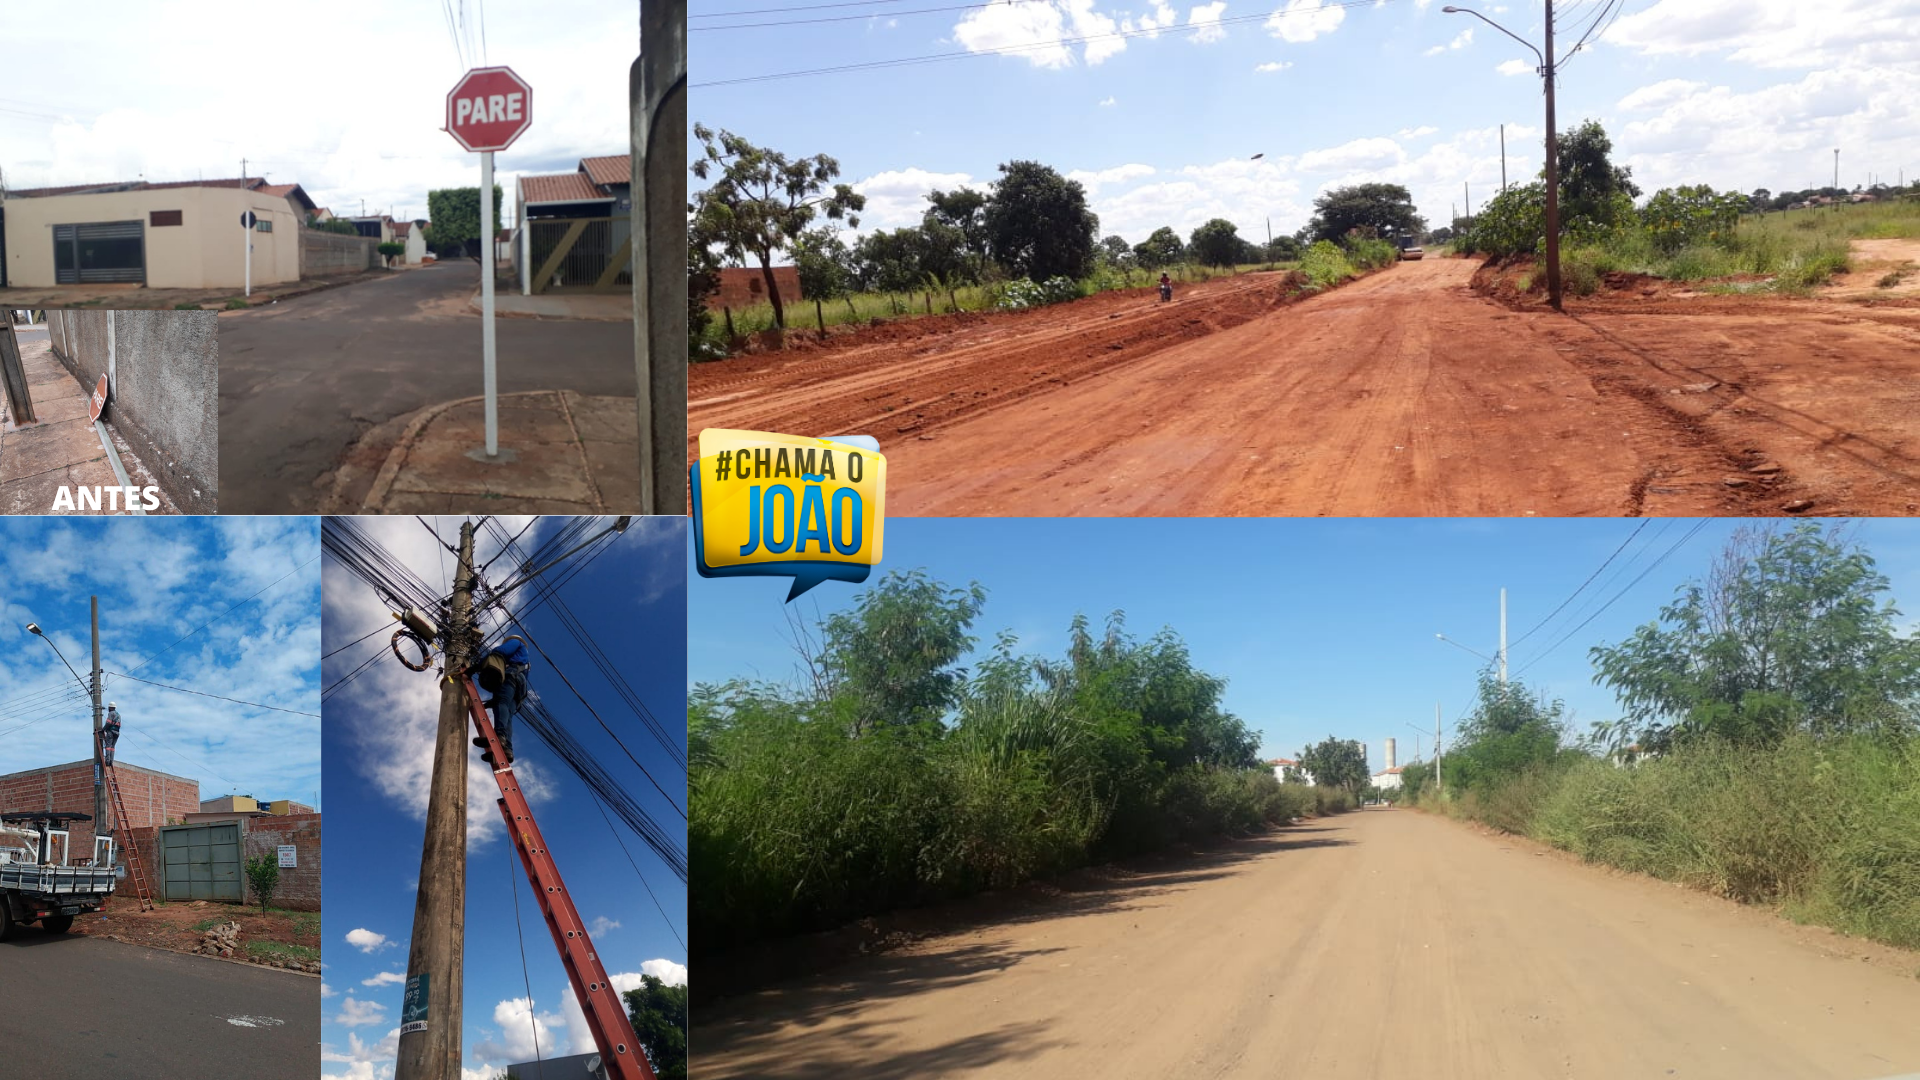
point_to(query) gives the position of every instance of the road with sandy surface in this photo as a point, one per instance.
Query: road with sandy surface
(1404, 393)
(1380, 944)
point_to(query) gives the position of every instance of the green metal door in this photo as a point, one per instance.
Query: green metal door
(202, 862)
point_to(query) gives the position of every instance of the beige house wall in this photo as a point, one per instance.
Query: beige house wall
(204, 251)
(416, 246)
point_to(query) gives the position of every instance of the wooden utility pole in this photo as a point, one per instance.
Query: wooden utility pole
(430, 1043)
(100, 820)
(1553, 179)
(658, 85)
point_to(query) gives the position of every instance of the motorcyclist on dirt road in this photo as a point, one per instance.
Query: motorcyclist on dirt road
(1166, 288)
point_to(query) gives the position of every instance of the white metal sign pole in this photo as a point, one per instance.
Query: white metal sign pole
(486, 300)
(246, 233)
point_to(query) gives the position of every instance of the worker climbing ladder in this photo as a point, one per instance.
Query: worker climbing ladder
(606, 1014)
(122, 827)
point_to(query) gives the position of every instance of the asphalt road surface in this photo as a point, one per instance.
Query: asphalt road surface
(1381, 944)
(301, 380)
(80, 1008)
(1403, 393)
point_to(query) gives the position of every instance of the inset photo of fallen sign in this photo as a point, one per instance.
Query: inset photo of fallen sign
(109, 412)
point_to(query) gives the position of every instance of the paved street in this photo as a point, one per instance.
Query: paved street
(91, 1009)
(302, 380)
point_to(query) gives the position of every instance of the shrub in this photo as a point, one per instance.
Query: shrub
(1021, 293)
(1680, 216)
(1325, 265)
(263, 876)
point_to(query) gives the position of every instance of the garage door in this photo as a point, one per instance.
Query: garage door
(101, 251)
(202, 862)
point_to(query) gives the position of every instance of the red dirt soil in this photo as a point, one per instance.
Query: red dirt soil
(1404, 393)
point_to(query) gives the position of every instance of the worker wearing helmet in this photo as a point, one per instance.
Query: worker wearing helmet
(109, 734)
(507, 680)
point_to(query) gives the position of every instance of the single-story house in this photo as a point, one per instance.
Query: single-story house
(575, 228)
(375, 226)
(414, 235)
(180, 235)
(1281, 766)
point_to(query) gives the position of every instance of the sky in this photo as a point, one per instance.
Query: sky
(346, 100)
(379, 742)
(165, 585)
(1320, 626)
(1161, 126)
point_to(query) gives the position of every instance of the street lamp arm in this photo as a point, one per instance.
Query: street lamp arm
(1463, 648)
(1468, 11)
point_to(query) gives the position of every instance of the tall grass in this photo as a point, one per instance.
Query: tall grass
(1829, 830)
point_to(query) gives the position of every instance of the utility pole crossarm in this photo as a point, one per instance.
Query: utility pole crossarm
(600, 1003)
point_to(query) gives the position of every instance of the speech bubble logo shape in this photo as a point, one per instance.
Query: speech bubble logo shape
(773, 505)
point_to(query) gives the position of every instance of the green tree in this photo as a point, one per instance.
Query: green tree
(893, 658)
(761, 200)
(1593, 190)
(263, 877)
(1038, 224)
(659, 1015)
(823, 263)
(1510, 730)
(1217, 243)
(1790, 631)
(1385, 208)
(1283, 249)
(1337, 763)
(703, 280)
(1117, 253)
(963, 209)
(391, 250)
(1162, 248)
(456, 219)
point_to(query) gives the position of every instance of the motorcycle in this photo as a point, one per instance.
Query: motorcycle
(1166, 291)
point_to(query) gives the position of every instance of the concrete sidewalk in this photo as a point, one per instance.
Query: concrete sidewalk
(136, 297)
(594, 307)
(561, 452)
(61, 448)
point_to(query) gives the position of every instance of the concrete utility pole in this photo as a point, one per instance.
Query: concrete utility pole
(1503, 157)
(1438, 784)
(658, 86)
(1503, 637)
(430, 1043)
(100, 822)
(1553, 183)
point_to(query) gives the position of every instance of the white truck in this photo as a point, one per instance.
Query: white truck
(37, 883)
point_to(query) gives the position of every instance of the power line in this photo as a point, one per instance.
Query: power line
(1655, 565)
(201, 693)
(874, 65)
(869, 15)
(1583, 585)
(790, 10)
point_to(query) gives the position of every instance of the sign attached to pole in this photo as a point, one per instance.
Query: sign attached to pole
(413, 1007)
(486, 111)
(247, 221)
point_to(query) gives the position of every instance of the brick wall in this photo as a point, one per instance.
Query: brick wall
(323, 254)
(741, 288)
(152, 798)
(299, 887)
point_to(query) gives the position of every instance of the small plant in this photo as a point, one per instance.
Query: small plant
(391, 250)
(186, 307)
(263, 876)
(1325, 265)
(235, 303)
(1894, 277)
(1022, 294)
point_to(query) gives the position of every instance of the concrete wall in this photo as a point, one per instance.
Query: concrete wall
(152, 798)
(299, 888)
(166, 390)
(323, 254)
(207, 250)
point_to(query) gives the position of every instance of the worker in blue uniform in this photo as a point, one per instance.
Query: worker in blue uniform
(508, 682)
(109, 734)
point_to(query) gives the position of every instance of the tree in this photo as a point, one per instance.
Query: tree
(966, 210)
(456, 219)
(1162, 248)
(703, 280)
(391, 250)
(1337, 763)
(1217, 243)
(1283, 249)
(893, 657)
(823, 263)
(263, 876)
(1385, 208)
(1117, 253)
(763, 200)
(1510, 730)
(1038, 225)
(659, 1015)
(1593, 190)
(1789, 632)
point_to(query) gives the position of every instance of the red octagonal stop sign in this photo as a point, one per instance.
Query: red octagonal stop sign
(489, 108)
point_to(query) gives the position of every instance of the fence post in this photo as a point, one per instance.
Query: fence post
(852, 311)
(929, 301)
(658, 86)
(820, 316)
(13, 372)
(728, 312)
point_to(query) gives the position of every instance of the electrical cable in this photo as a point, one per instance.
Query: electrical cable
(201, 693)
(869, 15)
(513, 886)
(1677, 545)
(671, 929)
(1582, 588)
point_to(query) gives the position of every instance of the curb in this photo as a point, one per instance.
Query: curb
(202, 956)
(403, 446)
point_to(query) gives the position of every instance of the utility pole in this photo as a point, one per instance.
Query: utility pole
(243, 168)
(100, 820)
(1438, 784)
(1503, 157)
(1836, 167)
(1503, 637)
(430, 1043)
(1553, 181)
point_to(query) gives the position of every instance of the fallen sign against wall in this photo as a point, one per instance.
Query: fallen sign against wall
(98, 404)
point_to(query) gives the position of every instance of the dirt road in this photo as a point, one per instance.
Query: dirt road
(1380, 944)
(1405, 393)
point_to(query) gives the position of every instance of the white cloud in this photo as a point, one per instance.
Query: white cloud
(357, 1013)
(1242, 191)
(1272, 66)
(328, 991)
(665, 970)
(364, 1061)
(1775, 33)
(1300, 21)
(520, 1025)
(385, 978)
(366, 940)
(1108, 101)
(1420, 132)
(1206, 20)
(1368, 153)
(899, 196)
(1659, 95)
(1045, 32)
(601, 924)
(1119, 174)
(1515, 67)
(1460, 41)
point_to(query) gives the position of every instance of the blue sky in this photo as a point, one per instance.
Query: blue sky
(379, 737)
(371, 77)
(159, 579)
(1735, 93)
(1320, 626)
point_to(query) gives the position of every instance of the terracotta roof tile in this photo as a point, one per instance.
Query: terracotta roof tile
(565, 187)
(617, 169)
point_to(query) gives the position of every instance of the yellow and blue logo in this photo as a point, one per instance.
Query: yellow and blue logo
(769, 505)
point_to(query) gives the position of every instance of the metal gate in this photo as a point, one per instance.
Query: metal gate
(101, 251)
(201, 862)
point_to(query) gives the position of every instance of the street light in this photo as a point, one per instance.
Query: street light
(1463, 648)
(34, 629)
(1553, 150)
